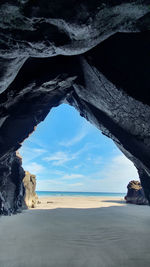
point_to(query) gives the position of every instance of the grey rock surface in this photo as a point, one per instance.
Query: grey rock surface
(11, 186)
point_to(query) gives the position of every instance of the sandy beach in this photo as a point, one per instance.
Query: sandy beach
(77, 232)
(78, 202)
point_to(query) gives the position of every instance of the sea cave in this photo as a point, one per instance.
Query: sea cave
(95, 57)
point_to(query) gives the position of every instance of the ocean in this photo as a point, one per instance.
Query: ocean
(83, 194)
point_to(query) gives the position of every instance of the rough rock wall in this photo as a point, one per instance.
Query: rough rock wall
(30, 197)
(135, 194)
(93, 55)
(11, 186)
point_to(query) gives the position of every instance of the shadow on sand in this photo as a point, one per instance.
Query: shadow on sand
(115, 201)
(68, 237)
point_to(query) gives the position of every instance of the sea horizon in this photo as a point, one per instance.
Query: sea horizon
(75, 193)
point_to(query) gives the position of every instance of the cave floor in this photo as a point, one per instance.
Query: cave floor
(67, 237)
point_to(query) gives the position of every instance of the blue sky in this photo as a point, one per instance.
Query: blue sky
(67, 153)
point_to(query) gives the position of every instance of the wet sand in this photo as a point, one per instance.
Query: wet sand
(86, 232)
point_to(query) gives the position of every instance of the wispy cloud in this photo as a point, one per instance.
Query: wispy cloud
(56, 185)
(72, 176)
(113, 177)
(28, 154)
(85, 129)
(74, 140)
(76, 185)
(95, 160)
(120, 168)
(32, 140)
(60, 157)
(57, 172)
(34, 168)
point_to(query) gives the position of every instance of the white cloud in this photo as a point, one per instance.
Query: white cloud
(74, 140)
(121, 168)
(114, 177)
(85, 129)
(39, 150)
(28, 154)
(37, 142)
(60, 157)
(72, 176)
(87, 147)
(56, 185)
(57, 172)
(76, 184)
(34, 168)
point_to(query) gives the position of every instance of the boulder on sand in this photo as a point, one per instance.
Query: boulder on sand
(135, 194)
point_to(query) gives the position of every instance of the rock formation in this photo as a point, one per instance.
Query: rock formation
(93, 55)
(11, 186)
(30, 197)
(135, 194)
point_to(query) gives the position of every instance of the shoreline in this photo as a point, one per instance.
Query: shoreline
(112, 197)
(53, 202)
(79, 194)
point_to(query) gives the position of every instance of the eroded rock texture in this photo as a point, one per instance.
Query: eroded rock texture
(135, 194)
(11, 186)
(93, 55)
(30, 197)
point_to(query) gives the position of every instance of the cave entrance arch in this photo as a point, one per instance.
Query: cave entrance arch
(106, 99)
(68, 154)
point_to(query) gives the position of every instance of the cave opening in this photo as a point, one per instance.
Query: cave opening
(69, 154)
(93, 55)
